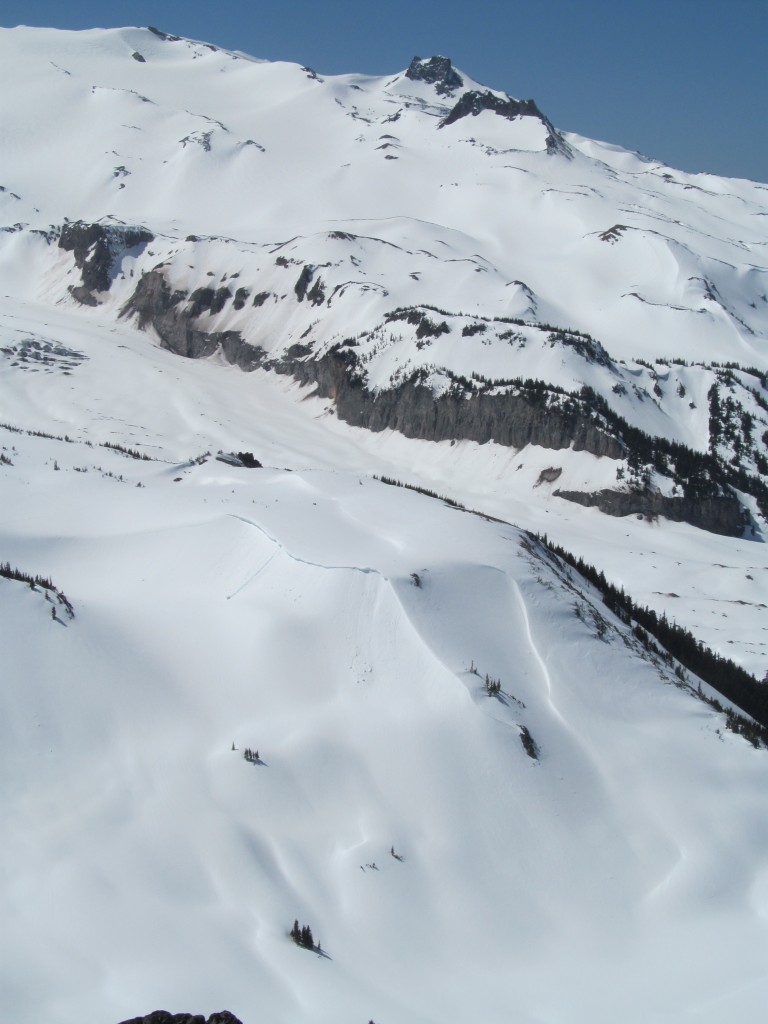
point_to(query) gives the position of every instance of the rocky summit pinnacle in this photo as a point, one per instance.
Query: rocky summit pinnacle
(437, 71)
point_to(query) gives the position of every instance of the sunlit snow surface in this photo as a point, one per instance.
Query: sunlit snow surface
(622, 876)
(147, 864)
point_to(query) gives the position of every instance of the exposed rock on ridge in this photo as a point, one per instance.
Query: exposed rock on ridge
(173, 315)
(316, 294)
(474, 102)
(512, 413)
(437, 71)
(95, 248)
(723, 515)
(511, 419)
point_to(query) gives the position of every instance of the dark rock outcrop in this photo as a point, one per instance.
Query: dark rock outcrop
(474, 102)
(437, 71)
(164, 35)
(722, 515)
(315, 294)
(83, 295)
(241, 297)
(163, 1017)
(208, 300)
(243, 460)
(303, 281)
(96, 249)
(425, 327)
(173, 315)
(514, 418)
(549, 475)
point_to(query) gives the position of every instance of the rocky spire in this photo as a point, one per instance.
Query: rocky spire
(437, 71)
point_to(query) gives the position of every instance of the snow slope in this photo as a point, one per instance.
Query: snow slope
(278, 612)
(276, 609)
(342, 627)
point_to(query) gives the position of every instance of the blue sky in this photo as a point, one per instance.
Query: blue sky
(684, 81)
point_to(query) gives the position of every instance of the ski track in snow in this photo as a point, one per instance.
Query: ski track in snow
(542, 665)
(296, 558)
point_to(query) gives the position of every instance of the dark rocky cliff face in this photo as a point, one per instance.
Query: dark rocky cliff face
(96, 248)
(723, 515)
(508, 419)
(514, 416)
(474, 102)
(174, 316)
(437, 71)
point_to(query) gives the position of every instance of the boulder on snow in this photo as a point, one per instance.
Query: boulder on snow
(244, 460)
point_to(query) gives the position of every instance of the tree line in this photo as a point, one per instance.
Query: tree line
(729, 679)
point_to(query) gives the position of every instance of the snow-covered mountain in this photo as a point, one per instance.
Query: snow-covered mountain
(481, 779)
(418, 236)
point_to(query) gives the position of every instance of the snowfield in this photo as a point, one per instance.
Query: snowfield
(587, 844)
(278, 609)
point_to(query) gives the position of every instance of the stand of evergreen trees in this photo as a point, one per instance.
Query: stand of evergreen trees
(492, 686)
(722, 674)
(699, 474)
(11, 573)
(302, 936)
(392, 482)
(130, 452)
